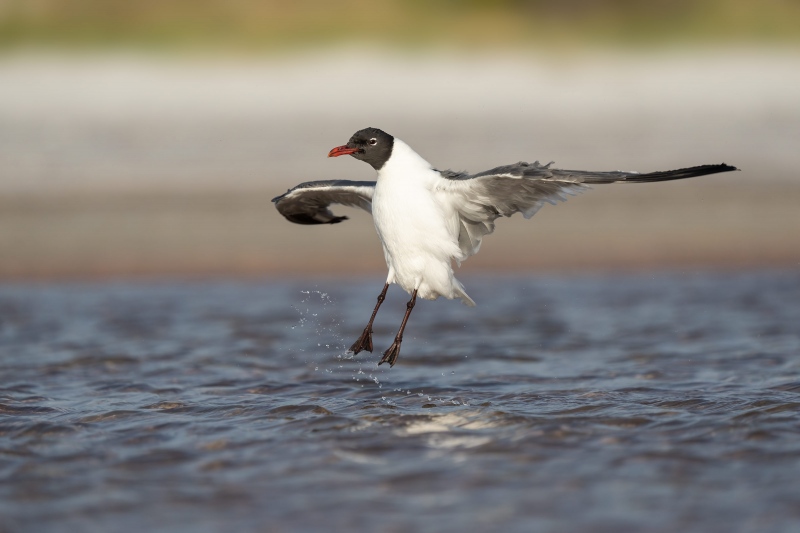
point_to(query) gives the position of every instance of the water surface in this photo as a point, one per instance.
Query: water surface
(597, 403)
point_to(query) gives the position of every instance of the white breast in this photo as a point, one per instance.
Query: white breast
(419, 234)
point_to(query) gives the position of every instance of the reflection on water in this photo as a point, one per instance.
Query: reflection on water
(658, 403)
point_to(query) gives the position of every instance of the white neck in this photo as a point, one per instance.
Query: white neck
(404, 162)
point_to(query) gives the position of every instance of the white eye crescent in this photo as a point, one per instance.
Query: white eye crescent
(373, 141)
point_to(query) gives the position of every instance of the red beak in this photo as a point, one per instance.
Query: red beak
(342, 150)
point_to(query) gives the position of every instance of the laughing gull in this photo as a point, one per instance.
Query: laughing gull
(428, 218)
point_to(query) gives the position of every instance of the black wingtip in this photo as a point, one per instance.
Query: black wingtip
(681, 173)
(308, 220)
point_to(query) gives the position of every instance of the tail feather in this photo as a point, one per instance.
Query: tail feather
(459, 292)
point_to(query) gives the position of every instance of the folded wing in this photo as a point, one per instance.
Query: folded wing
(308, 203)
(526, 187)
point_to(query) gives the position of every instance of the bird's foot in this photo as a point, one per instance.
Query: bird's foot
(390, 355)
(364, 342)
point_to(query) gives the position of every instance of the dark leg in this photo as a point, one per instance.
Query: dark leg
(390, 355)
(364, 342)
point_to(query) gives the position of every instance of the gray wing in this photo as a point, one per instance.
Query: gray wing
(526, 187)
(308, 202)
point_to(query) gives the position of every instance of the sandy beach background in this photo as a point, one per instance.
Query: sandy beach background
(148, 141)
(129, 165)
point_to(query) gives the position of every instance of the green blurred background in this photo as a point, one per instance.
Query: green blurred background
(147, 138)
(268, 25)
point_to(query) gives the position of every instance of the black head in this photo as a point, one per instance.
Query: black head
(371, 145)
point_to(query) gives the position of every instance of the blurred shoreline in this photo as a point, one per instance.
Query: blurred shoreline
(126, 166)
(635, 228)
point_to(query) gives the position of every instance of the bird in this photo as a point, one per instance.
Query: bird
(427, 219)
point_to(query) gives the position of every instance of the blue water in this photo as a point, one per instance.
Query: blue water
(665, 402)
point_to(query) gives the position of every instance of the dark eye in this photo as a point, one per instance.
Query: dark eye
(373, 141)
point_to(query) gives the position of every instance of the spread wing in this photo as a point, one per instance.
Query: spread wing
(526, 187)
(308, 202)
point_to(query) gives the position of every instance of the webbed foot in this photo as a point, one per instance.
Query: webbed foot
(364, 342)
(390, 355)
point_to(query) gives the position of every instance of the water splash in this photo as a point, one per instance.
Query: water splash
(319, 323)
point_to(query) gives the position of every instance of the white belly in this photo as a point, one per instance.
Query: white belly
(420, 239)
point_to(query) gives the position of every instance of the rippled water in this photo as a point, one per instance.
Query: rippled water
(614, 403)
